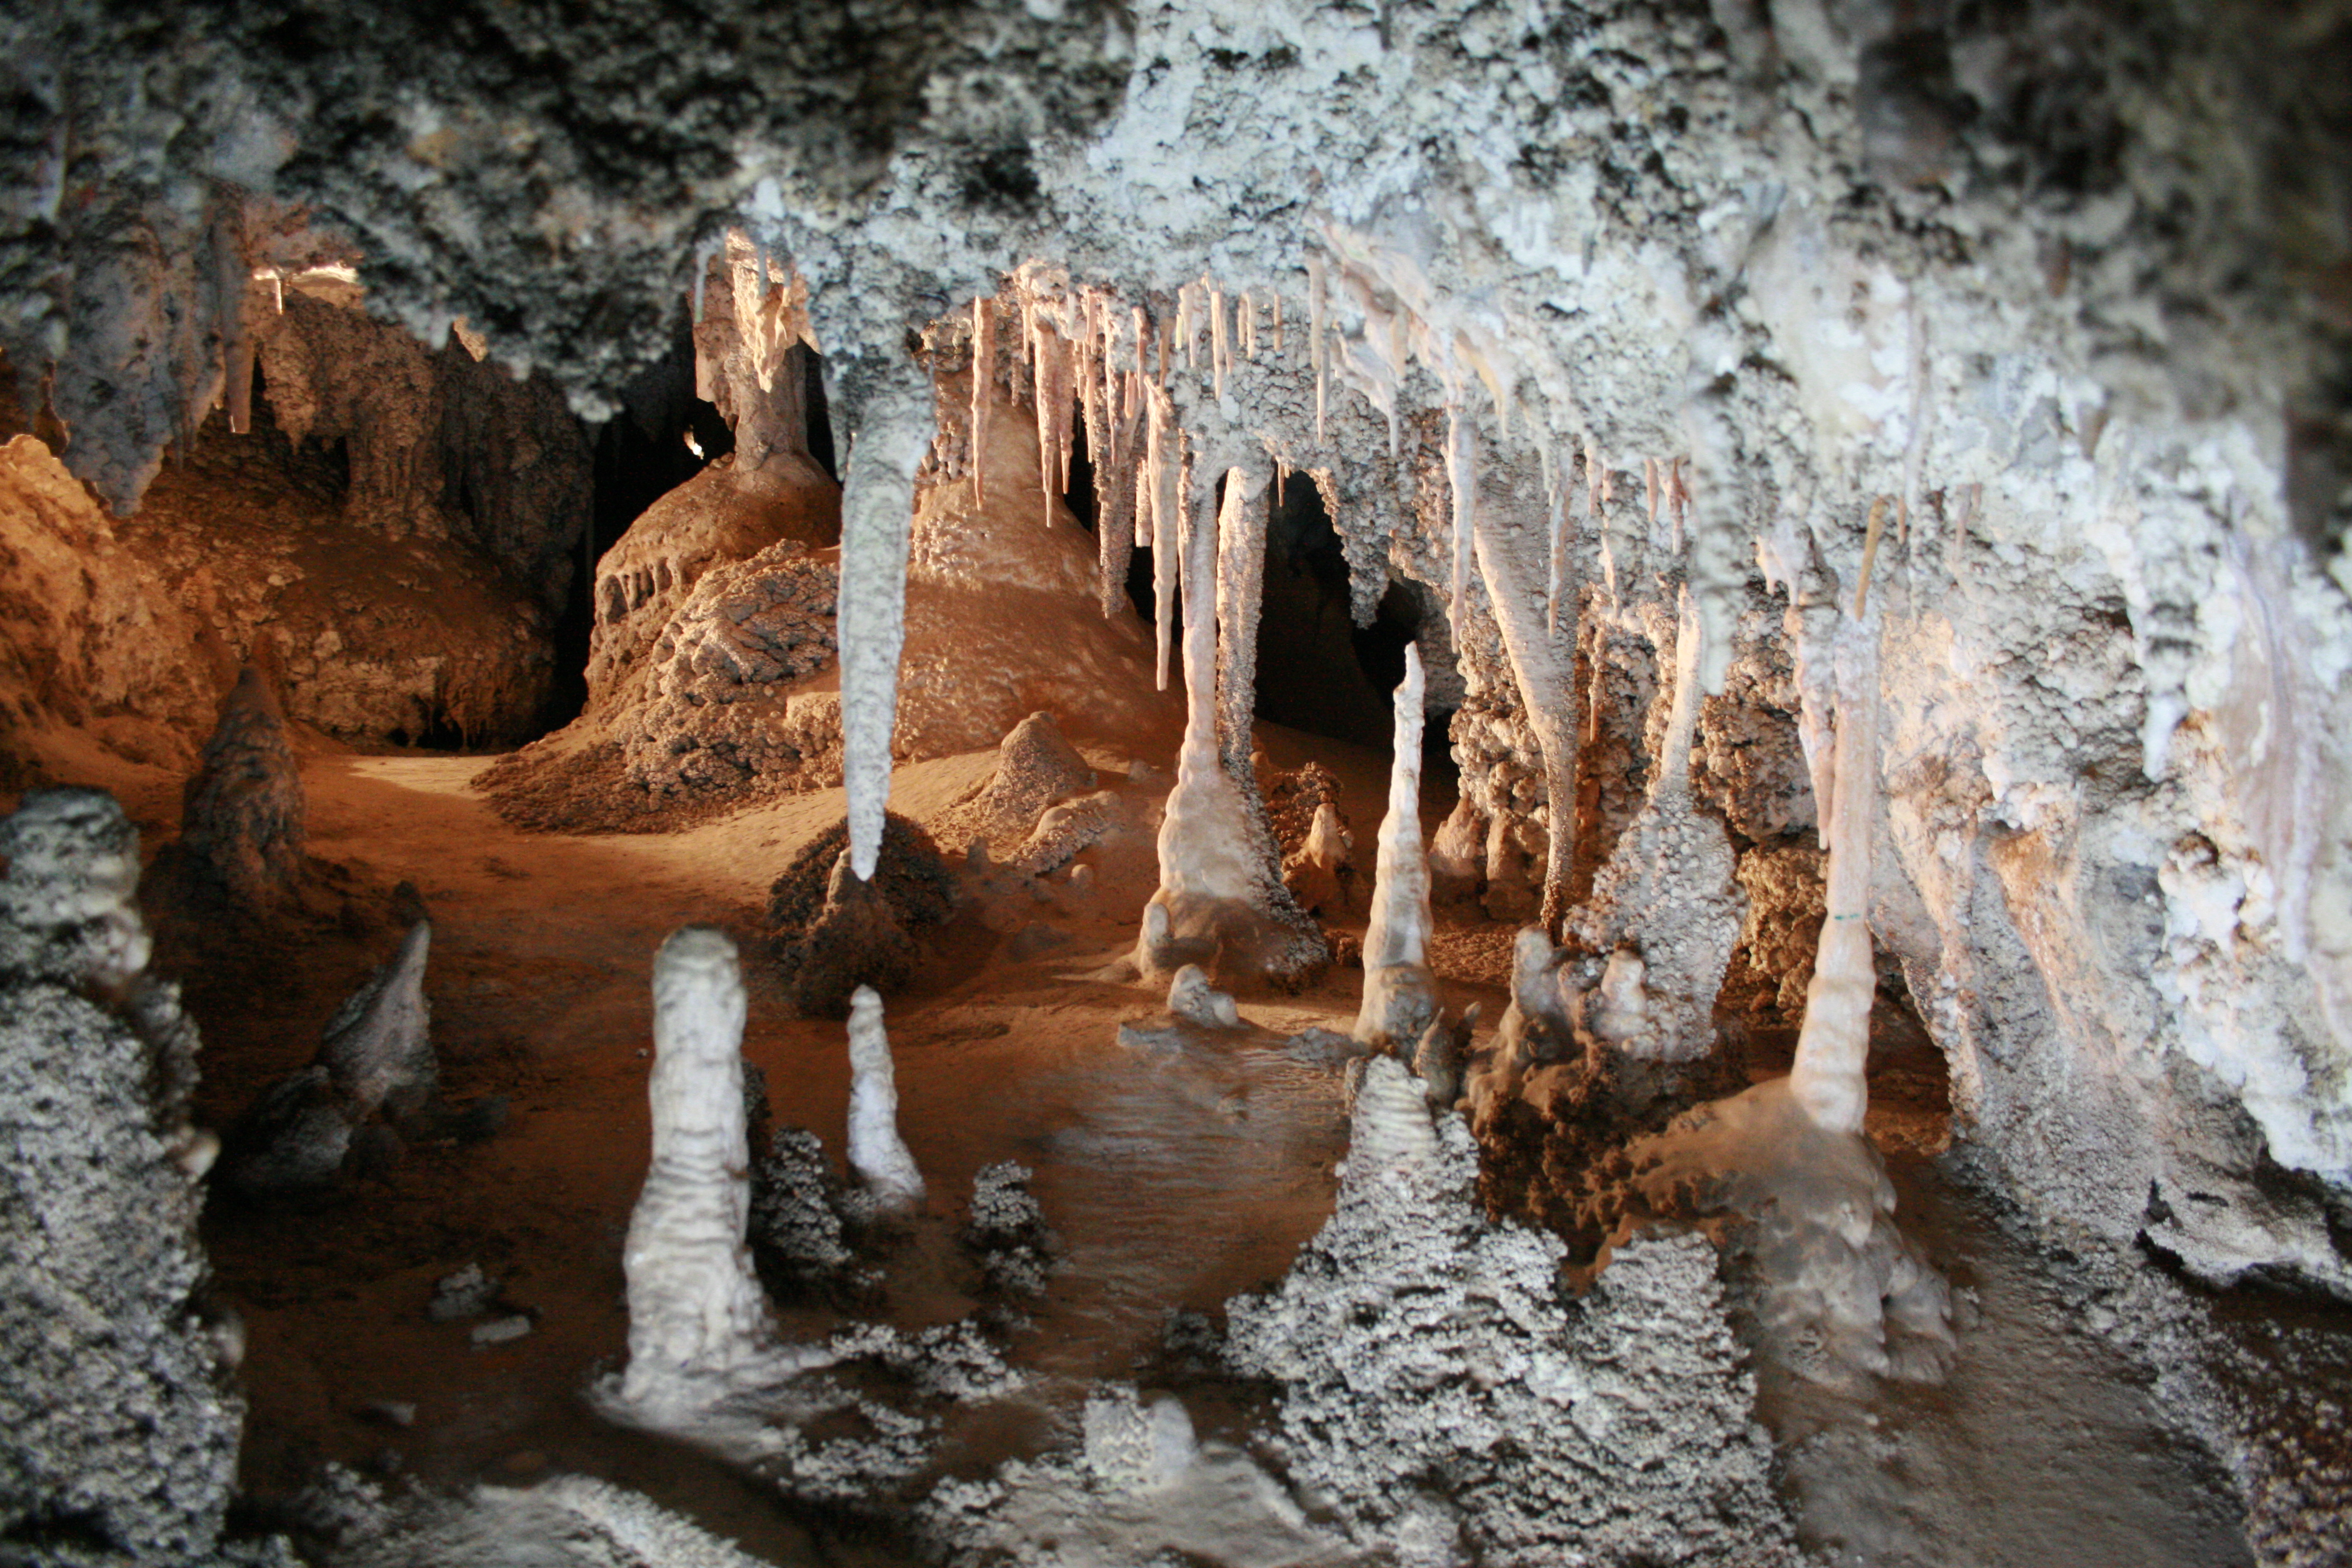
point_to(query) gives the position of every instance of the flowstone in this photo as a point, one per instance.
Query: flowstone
(117, 1424)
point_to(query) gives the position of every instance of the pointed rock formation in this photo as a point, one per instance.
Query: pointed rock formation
(242, 823)
(876, 1153)
(1400, 997)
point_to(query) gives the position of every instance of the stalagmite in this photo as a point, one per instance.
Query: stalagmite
(1666, 908)
(1400, 997)
(1221, 898)
(1241, 582)
(983, 372)
(696, 1318)
(878, 501)
(1834, 1044)
(876, 1153)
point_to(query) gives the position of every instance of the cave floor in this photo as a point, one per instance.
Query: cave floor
(1170, 1184)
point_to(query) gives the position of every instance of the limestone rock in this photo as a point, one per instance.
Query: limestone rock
(379, 1045)
(1616, 1429)
(118, 1431)
(838, 933)
(1036, 767)
(243, 821)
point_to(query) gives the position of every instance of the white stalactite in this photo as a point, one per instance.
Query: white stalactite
(876, 1153)
(877, 508)
(1540, 666)
(1163, 476)
(1221, 353)
(1461, 480)
(983, 371)
(1318, 348)
(697, 1318)
(1556, 495)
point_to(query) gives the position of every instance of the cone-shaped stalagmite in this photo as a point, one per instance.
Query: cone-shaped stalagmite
(1400, 996)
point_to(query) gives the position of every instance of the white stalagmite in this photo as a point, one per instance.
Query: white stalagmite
(877, 508)
(696, 1318)
(983, 371)
(1241, 584)
(1400, 996)
(1834, 1044)
(876, 1153)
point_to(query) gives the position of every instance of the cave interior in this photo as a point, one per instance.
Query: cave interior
(1449, 782)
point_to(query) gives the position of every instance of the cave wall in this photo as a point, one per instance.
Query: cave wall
(2063, 278)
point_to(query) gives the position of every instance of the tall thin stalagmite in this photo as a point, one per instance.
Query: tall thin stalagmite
(1834, 1044)
(1400, 998)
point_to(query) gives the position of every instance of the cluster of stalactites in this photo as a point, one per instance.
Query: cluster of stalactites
(1089, 357)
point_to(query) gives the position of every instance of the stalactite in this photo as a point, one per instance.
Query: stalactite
(1164, 467)
(1046, 358)
(1543, 677)
(1318, 349)
(1184, 329)
(1241, 583)
(983, 371)
(878, 503)
(232, 275)
(1221, 352)
(1834, 1044)
(1555, 489)
(1679, 495)
(1400, 997)
(1462, 479)
(1277, 324)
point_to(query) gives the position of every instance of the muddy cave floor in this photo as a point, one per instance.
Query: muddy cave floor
(1169, 1187)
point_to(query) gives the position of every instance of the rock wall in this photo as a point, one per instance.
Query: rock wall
(121, 1426)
